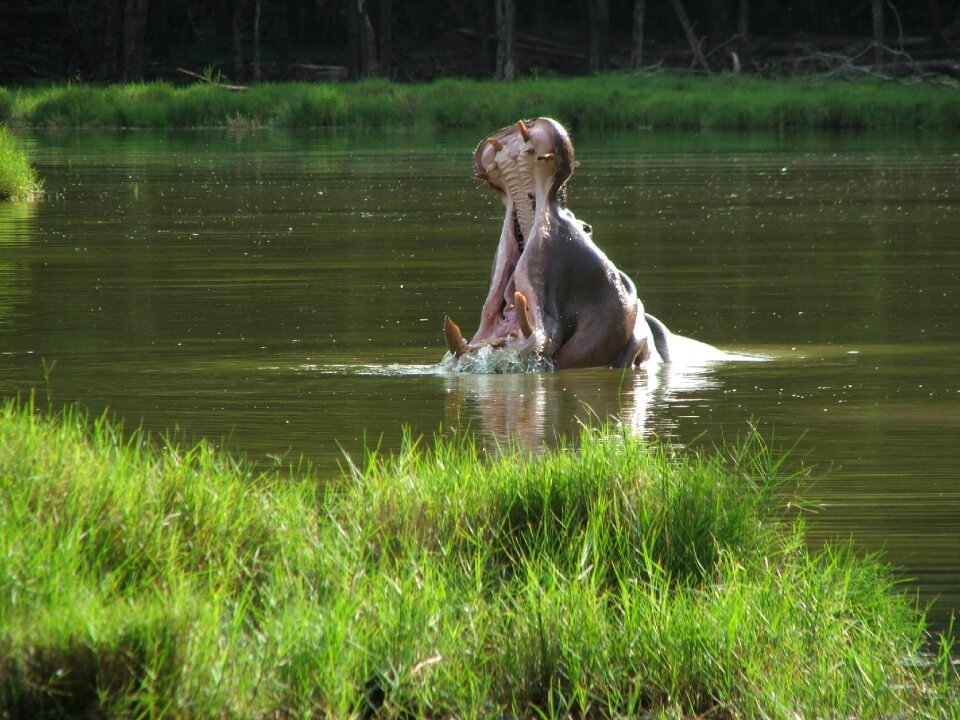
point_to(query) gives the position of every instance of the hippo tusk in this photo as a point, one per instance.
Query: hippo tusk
(522, 320)
(453, 337)
(523, 131)
(497, 145)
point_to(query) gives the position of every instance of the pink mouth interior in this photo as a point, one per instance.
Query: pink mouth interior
(503, 319)
(507, 161)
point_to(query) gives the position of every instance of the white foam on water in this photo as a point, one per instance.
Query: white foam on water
(373, 369)
(517, 356)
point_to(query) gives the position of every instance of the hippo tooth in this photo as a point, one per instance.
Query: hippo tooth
(497, 145)
(522, 320)
(453, 336)
(523, 131)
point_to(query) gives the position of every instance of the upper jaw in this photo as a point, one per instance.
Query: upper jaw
(523, 161)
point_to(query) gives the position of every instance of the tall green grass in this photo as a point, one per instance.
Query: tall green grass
(605, 101)
(150, 579)
(18, 179)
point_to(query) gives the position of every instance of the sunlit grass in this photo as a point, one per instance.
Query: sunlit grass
(18, 179)
(147, 578)
(607, 101)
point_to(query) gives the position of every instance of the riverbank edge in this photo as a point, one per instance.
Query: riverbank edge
(142, 577)
(613, 100)
(18, 179)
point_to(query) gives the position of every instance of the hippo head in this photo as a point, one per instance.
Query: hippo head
(523, 159)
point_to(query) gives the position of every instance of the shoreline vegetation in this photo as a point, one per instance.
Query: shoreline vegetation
(147, 578)
(611, 100)
(18, 179)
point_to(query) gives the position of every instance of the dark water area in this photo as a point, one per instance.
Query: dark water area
(282, 294)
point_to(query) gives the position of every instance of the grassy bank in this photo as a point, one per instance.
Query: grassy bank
(18, 179)
(607, 101)
(151, 580)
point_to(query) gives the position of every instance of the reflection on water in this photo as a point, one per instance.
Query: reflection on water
(15, 232)
(535, 409)
(283, 294)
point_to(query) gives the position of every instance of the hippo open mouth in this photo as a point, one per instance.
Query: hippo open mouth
(505, 161)
(552, 292)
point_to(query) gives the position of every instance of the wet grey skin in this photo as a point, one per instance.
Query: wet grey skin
(552, 290)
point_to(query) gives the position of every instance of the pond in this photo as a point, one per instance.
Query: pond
(282, 294)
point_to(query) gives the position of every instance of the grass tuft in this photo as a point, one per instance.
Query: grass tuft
(18, 179)
(141, 577)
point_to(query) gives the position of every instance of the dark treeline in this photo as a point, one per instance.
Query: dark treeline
(247, 40)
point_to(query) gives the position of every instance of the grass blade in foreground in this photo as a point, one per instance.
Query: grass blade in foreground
(143, 579)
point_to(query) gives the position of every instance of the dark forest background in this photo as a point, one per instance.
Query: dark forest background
(249, 40)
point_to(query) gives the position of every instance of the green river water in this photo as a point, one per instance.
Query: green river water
(282, 294)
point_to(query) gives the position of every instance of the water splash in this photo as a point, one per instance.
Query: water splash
(517, 356)
(372, 369)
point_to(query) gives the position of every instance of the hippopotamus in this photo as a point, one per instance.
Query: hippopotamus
(552, 292)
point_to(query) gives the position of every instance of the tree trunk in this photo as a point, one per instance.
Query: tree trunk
(236, 39)
(935, 20)
(691, 37)
(718, 22)
(369, 41)
(386, 39)
(876, 7)
(743, 22)
(483, 31)
(111, 21)
(541, 22)
(639, 14)
(363, 49)
(134, 27)
(506, 40)
(353, 37)
(599, 13)
(256, 40)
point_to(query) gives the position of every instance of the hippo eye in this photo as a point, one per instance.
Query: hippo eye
(587, 228)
